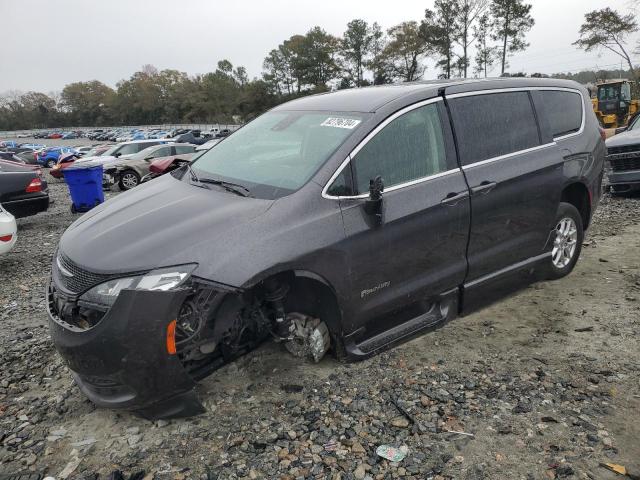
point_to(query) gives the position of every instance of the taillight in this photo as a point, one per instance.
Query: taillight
(6, 238)
(603, 134)
(34, 186)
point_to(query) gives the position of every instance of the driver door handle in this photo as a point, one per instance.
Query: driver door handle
(453, 198)
(484, 188)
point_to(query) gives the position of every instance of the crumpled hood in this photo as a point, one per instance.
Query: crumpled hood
(630, 137)
(162, 223)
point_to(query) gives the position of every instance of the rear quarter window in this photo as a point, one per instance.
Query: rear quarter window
(492, 125)
(562, 111)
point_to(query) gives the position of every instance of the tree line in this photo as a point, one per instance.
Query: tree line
(461, 38)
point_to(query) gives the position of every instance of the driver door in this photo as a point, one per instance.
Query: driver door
(419, 249)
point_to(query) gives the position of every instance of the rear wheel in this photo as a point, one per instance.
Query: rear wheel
(567, 244)
(128, 180)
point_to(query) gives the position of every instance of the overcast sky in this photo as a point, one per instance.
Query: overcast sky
(49, 43)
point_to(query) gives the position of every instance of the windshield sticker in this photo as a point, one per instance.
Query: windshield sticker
(349, 123)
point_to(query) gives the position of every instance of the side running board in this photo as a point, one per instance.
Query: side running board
(443, 310)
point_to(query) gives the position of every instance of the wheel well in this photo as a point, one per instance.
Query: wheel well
(577, 195)
(310, 295)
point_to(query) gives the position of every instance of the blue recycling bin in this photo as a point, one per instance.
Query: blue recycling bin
(85, 187)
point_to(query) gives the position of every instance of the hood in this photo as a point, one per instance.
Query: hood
(630, 137)
(161, 223)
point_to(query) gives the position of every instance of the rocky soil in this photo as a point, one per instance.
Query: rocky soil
(543, 385)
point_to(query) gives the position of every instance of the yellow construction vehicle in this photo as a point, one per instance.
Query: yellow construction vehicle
(613, 104)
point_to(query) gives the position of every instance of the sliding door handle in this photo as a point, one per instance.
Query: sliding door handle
(484, 188)
(453, 198)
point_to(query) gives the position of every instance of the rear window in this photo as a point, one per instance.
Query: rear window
(493, 125)
(563, 111)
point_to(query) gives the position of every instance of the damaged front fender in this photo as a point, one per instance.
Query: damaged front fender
(123, 361)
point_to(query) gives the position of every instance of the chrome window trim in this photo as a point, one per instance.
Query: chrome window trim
(465, 167)
(508, 155)
(366, 140)
(531, 89)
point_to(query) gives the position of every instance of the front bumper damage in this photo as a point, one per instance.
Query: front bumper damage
(122, 362)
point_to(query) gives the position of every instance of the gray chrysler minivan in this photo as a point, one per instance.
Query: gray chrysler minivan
(347, 221)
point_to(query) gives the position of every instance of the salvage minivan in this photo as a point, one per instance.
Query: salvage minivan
(344, 222)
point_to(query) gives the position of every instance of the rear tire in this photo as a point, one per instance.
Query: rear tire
(567, 244)
(128, 180)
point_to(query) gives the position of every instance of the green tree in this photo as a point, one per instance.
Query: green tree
(511, 21)
(376, 62)
(607, 29)
(486, 54)
(284, 66)
(403, 53)
(88, 103)
(469, 12)
(317, 58)
(354, 48)
(439, 32)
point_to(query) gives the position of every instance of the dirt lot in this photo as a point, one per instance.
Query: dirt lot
(545, 384)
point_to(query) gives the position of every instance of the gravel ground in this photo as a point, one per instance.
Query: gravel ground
(544, 384)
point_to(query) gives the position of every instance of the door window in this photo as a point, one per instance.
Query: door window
(563, 111)
(162, 152)
(181, 149)
(130, 148)
(409, 148)
(492, 125)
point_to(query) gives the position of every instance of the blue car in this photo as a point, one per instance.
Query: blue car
(69, 135)
(49, 156)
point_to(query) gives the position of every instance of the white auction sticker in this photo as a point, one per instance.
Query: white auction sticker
(349, 123)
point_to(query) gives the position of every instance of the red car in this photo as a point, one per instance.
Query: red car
(55, 135)
(165, 165)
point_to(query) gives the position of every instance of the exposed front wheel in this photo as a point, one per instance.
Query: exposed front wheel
(128, 180)
(51, 163)
(567, 244)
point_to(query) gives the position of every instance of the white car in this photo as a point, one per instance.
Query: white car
(23, 135)
(8, 231)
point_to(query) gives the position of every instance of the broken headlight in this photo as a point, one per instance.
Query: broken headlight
(162, 279)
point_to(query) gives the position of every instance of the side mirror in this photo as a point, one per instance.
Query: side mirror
(148, 159)
(117, 155)
(373, 205)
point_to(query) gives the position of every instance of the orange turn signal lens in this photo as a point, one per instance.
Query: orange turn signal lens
(171, 338)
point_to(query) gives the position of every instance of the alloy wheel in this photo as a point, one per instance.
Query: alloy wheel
(129, 180)
(564, 245)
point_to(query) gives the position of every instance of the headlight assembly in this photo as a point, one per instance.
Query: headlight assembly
(162, 279)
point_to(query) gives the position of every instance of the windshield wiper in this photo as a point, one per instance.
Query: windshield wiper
(194, 177)
(229, 186)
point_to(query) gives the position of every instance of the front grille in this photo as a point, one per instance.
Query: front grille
(623, 149)
(623, 164)
(80, 280)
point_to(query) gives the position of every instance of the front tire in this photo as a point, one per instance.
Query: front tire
(567, 245)
(51, 163)
(128, 180)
